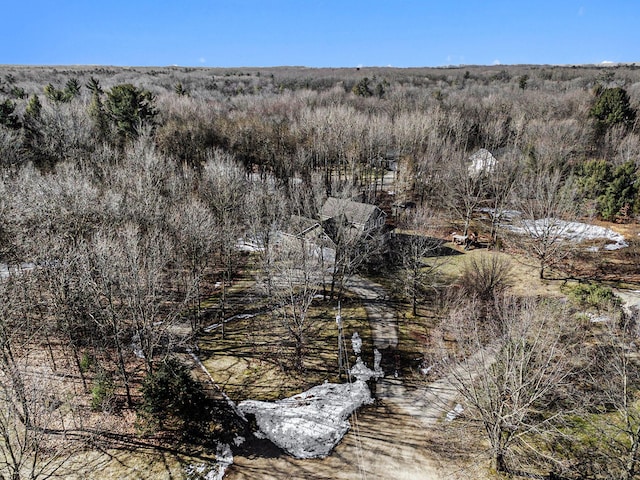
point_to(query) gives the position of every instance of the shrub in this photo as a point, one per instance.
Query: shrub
(86, 362)
(592, 295)
(612, 107)
(486, 276)
(102, 392)
(172, 396)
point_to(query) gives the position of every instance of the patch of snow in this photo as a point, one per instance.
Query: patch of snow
(572, 231)
(356, 343)
(593, 318)
(312, 423)
(377, 358)
(137, 346)
(248, 246)
(455, 413)
(238, 440)
(224, 456)
(616, 246)
(426, 370)
(216, 471)
(363, 373)
(214, 326)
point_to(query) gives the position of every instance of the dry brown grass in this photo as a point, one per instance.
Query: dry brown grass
(254, 359)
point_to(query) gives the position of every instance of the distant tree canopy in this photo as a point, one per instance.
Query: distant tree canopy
(363, 88)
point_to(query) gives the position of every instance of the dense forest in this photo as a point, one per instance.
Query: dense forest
(129, 196)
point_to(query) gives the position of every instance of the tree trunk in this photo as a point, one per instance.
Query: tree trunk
(122, 367)
(79, 366)
(414, 296)
(299, 354)
(500, 463)
(630, 467)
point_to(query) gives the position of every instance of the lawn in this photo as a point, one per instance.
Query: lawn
(254, 358)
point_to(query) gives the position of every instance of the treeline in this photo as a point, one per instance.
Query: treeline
(275, 122)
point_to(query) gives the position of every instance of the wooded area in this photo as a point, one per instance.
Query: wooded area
(134, 200)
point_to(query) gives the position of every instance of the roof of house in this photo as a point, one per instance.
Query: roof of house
(481, 160)
(300, 226)
(354, 212)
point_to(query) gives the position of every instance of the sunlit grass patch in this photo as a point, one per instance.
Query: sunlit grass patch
(254, 359)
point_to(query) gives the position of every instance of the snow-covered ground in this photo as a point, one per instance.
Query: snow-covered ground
(571, 231)
(212, 471)
(6, 270)
(239, 316)
(312, 423)
(360, 371)
(248, 245)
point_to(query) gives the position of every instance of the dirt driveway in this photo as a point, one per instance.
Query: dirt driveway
(383, 443)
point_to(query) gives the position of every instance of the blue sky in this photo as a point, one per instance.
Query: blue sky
(319, 33)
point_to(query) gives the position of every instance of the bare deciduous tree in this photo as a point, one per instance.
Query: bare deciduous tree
(486, 277)
(224, 188)
(546, 203)
(501, 181)
(33, 441)
(265, 210)
(463, 191)
(193, 229)
(513, 369)
(296, 280)
(416, 252)
(611, 414)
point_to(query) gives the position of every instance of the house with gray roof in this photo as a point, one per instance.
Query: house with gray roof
(360, 219)
(340, 219)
